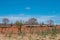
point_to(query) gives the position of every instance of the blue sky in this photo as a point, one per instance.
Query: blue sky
(43, 10)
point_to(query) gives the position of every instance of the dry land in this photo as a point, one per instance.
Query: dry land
(52, 34)
(29, 37)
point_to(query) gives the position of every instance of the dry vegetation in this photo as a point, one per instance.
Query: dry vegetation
(49, 32)
(52, 34)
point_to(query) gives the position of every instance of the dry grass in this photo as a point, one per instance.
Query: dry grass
(53, 34)
(28, 37)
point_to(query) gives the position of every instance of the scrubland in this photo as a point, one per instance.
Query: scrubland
(52, 34)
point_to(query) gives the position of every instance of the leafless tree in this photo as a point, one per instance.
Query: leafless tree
(5, 21)
(50, 23)
(32, 21)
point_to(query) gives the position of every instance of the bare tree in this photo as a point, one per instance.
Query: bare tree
(5, 21)
(32, 21)
(50, 23)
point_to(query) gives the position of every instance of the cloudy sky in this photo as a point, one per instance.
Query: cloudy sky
(42, 10)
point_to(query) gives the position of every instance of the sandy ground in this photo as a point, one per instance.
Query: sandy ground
(28, 37)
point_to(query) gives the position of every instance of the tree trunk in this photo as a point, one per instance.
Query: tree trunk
(19, 29)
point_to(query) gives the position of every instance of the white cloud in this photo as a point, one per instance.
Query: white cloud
(13, 18)
(45, 18)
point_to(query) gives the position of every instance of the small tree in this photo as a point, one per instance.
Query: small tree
(32, 21)
(11, 24)
(5, 21)
(50, 23)
(19, 24)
